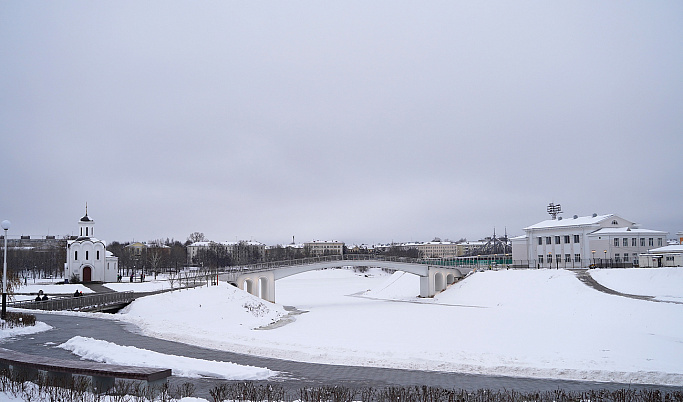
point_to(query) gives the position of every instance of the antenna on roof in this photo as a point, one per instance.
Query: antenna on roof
(553, 210)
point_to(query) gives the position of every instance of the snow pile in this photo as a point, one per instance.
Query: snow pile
(208, 313)
(533, 323)
(17, 331)
(399, 286)
(662, 283)
(107, 352)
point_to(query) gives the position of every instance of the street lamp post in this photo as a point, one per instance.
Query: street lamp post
(5, 225)
(605, 259)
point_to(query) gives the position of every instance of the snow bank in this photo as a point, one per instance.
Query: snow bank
(16, 331)
(662, 283)
(107, 352)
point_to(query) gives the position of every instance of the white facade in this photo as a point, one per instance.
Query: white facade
(580, 242)
(87, 257)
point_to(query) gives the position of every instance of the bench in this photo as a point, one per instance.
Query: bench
(60, 371)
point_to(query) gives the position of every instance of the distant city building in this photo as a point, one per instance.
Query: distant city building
(33, 242)
(435, 248)
(470, 247)
(87, 257)
(581, 242)
(325, 247)
(236, 249)
(139, 248)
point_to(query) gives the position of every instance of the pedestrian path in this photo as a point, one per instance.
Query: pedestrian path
(585, 277)
(293, 375)
(97, 287)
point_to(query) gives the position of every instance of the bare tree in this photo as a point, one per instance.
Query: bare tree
(196, 237)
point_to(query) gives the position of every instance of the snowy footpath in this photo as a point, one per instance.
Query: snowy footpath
(528, 323)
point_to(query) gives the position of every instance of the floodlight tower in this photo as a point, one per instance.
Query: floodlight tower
(554, 210)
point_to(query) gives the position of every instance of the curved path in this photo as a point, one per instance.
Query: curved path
(294, 375)
(585, 277)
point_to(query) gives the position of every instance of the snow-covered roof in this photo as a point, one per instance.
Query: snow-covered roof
(429, 243)
(84, 239)
(578, 221)
(625, 231)
(674, 248)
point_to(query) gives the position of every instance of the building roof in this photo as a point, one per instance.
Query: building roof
(578, 221)
(673, 248)
(625, 231)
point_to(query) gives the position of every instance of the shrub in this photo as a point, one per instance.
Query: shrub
(13, 319)
(74, 278)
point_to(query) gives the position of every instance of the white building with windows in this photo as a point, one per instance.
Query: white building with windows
(87, 257)
(581, 242)
(435, 248)
(325, 247)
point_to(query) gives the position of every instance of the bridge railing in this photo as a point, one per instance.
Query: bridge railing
(75, 303)
(267, 266)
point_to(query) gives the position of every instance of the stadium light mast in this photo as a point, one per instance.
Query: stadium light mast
(554, 210)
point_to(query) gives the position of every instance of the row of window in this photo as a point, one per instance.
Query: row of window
(86, 255)
(577, 258)
(634, 242)
(566, 238)
(558, 258)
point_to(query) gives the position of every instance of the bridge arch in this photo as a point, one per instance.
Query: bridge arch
(259, 280)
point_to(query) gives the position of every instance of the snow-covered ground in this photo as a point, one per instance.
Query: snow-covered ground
(147, 286)
(535, 323)
(532, 323)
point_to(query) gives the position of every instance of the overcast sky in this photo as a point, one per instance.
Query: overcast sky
(359, 121)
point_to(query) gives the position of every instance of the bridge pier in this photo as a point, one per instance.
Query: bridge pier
(261, 284)
(437, 280)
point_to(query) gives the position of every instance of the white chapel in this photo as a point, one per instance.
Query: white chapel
(87, 257)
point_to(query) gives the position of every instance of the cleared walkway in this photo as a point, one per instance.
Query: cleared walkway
(585, 277)
(294, 375)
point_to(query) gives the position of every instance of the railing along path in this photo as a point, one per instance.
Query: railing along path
(86, 302)
(268, 266)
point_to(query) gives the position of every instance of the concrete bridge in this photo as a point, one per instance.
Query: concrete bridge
(259, 279)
